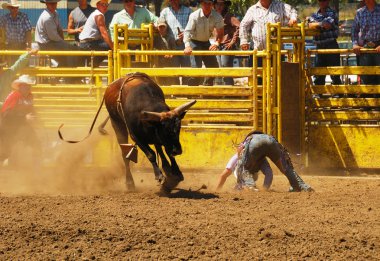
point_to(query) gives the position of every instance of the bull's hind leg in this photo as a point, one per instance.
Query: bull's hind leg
(122, 138)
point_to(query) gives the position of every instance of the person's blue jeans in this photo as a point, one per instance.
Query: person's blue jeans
(323, 60)
(97, 45)
(370, 59)
(196, 62)
(226, 61)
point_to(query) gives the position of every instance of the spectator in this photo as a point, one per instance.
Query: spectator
(133, 16)
(197, 35)
(94, 35)
(165, 41)
(7, 76)
(231, 35)
(17, 27)
(78, 18)
(177, 15)
(16, 115)
(253, 25)
(326, 20)
(366, 34)
(49, 33)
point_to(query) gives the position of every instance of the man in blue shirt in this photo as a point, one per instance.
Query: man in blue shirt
(326, 20)
(366, 34)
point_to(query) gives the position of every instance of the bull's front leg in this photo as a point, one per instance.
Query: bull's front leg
(165, 163)
(149, 153)
(175, 169)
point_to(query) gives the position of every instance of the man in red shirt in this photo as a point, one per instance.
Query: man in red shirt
(16, 116)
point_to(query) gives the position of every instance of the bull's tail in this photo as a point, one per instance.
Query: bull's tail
(89, 132)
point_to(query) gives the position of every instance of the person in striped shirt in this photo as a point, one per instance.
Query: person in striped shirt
(253, 26)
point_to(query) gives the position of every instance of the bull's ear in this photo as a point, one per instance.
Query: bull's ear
(150, 116)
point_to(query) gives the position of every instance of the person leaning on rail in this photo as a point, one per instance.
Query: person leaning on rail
(326, 21)
(176, 16)
(7, 76)
(198, 31)
(253, 25)
(256, 147)
(366, 34)
(17, 27)
(230, 38)
(165, 41)
(78, 18)
(94, 35)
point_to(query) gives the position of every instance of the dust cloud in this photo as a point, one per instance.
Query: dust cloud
(62, 168)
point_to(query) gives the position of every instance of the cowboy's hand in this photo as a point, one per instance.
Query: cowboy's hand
(244, 47)
(30, 117)
(188, 50)
(33, 52)
(378, 49)
(214, 47)
(292, 22)
(356, 49)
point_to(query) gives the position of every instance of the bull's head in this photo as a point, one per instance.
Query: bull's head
(170, 126)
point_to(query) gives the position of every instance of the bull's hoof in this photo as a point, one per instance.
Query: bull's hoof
(131, 187)
(168, 184)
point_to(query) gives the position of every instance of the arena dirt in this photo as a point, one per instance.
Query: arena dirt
(86, 215)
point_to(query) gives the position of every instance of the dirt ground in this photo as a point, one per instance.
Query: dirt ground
(90, 216)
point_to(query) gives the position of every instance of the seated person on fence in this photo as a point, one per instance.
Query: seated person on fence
(7, 76)
(49, 34)
(165, 41)
(132, 15)
(258, 146)
(17, 27)
(17, 114)
(94, 35)
(77, 18)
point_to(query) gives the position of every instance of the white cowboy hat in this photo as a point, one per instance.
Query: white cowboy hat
(22, 81)
(12, 3)
(94, 2)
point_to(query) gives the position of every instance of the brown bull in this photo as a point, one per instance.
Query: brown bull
(136, 105)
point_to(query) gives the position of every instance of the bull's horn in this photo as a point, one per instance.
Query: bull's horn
(152, 113)
(184, 107)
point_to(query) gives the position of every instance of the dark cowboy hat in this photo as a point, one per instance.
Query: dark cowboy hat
(226, 2)
(49, 1)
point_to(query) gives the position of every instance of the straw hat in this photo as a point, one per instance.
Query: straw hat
(12, 3)
(24, 81)
(49, 1)
(94, 2)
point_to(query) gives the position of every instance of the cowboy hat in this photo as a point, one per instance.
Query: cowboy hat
(49, 1)
(226, 2)
(12, 3)
(161, 21)
(22, 82)
(94, 2)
